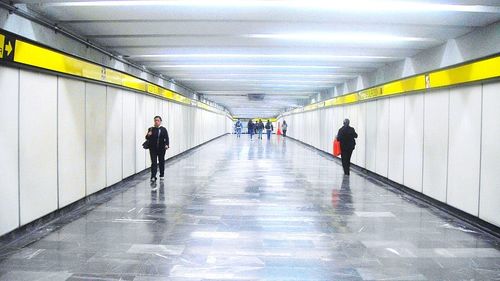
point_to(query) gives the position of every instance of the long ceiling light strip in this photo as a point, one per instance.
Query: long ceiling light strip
(265, 56)
(354, 6)
(250, 80)
(372, 38)
(244, 66)
(179, 76)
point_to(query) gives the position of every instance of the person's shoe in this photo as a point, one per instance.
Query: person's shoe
(153, 179)
(162, 178)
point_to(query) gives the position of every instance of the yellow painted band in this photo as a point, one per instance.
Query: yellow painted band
(476, 71)
(38, 56)
(471, 72)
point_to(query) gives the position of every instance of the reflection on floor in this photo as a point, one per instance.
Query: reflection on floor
(255, 210)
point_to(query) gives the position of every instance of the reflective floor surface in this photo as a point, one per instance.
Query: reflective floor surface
(236, 209)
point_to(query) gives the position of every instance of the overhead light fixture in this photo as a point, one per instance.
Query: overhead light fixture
(284, 75)
(245, 66)
(369, 6)
(255, 80)
(357, 37)
(264, 56)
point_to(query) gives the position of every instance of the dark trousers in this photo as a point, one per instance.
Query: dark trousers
(157, 158)
(284, 133)
(346, 160)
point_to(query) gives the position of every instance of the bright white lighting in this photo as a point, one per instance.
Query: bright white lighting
(264, 75)
(341, 37)
(214, 234)
(336, 5)
(263, 56)
(245, 66)
(256, 80)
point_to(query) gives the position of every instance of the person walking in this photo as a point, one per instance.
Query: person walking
(238, 126)
(346, 136)
(158, 143)
(269, 129)
(250, 127)
(260, 128)
(284, 127)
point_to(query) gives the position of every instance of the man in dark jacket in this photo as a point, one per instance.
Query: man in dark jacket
(158, 144)
(250, 127)
(346, 136)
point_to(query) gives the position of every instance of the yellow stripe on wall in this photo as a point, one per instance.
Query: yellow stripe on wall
(472, 72)
(37, 56)
(481, 70)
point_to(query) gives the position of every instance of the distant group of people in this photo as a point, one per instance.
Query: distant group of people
(258, 128)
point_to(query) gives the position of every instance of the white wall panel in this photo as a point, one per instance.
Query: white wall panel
(382, 144)
(338, 118)
(149, 120)
(95, 108)
(371, 135)
(140, 133)
(158, 107)
(37, 145)
(489, 208)
(331, 131)
(351, 112)
(315, 134)
(464, 148)
(174, 149)
(9, 125)
(361, 130)
(414, 138)
(436, 144)
(129, 136)
(326, 139)
(166, 124)
(71, 140)
(396, 138)
(114, 139)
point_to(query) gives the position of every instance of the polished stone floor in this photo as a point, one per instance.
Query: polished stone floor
(240, 210)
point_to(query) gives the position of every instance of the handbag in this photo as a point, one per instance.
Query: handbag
(145, 145)
(336, 148)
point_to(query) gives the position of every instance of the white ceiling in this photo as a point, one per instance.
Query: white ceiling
(287, 50)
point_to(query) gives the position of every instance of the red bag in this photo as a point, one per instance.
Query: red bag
(336, 148)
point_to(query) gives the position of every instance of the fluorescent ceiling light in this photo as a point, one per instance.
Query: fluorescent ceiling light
(244, 66)
(263, 56)
(266, 75)
(353, 5)
(212, 92)
(215, 235)
(255, 80)
(342, 37)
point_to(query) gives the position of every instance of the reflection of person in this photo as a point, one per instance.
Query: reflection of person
(342, 200)
(157, 137)
(346, 136)
(156, 211)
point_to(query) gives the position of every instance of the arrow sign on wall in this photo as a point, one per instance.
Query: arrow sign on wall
(8, 48)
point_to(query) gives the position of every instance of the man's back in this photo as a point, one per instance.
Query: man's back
(346, 136)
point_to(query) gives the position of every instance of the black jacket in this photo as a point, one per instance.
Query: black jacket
(346, 136)
(155, 142)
